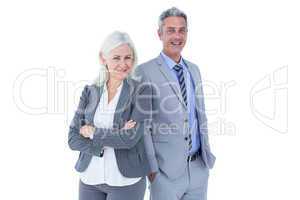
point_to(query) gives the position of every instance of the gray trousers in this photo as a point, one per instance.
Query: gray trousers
(192, 185)
(106, 192)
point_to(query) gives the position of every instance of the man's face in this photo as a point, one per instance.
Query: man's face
(173, 35)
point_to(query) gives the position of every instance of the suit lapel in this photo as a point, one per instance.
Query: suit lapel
(196, 79)
(197, 82)
(122, 103)
(94, 99)
(192, 71)
(170, 78)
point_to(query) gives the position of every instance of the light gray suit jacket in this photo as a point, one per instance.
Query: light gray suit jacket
(128, 144)
(167, 146)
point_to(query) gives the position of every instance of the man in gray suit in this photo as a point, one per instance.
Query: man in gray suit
(177, 148)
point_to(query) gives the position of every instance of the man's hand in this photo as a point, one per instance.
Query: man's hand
(87, 130)
(152, 176)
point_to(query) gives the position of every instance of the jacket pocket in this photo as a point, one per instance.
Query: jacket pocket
(133, 157)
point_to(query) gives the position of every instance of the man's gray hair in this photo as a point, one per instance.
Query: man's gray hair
(111, 42)
(171, 12)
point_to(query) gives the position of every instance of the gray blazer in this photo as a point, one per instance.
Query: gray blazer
(134, 103)
(167, 145)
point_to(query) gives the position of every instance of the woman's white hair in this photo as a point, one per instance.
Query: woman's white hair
(111, 42)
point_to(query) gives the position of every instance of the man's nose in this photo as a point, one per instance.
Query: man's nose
(177, 35)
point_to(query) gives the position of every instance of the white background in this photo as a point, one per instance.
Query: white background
(49, 50)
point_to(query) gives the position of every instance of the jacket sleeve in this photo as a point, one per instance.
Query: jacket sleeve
(75, 140)
(141, 114)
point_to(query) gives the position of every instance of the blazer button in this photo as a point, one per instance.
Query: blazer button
(186, 138)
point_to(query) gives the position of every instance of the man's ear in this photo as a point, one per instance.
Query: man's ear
(102, 59)
(159, 33)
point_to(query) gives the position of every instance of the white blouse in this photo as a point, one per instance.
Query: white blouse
(104, 170)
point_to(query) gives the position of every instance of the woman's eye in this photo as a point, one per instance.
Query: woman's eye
(116, 58)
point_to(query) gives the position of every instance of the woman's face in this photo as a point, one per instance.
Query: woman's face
(119, 62)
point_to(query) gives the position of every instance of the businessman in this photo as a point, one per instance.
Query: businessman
(177, 148)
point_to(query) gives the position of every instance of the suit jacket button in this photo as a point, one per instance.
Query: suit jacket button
(186, 138)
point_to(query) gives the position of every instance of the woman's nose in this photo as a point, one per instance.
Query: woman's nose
(123, 64)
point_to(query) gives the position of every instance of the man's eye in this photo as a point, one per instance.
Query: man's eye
(116, 58)
(182, 31)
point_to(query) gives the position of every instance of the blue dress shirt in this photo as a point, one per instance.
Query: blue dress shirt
(191, 106)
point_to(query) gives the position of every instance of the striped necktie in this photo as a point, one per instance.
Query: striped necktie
(179, 72)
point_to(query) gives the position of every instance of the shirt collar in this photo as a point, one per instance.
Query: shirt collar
(118, 89)
(170, 63)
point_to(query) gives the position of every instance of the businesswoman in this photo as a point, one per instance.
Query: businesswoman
(109, 125)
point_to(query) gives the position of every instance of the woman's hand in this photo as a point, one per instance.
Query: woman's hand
(87, 131)
(130, 124)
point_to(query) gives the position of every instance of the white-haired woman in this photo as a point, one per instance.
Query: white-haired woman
(109, 125)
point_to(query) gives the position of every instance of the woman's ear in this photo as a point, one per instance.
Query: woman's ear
(102, 59)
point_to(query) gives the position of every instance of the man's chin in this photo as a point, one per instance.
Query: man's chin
(176, 50)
